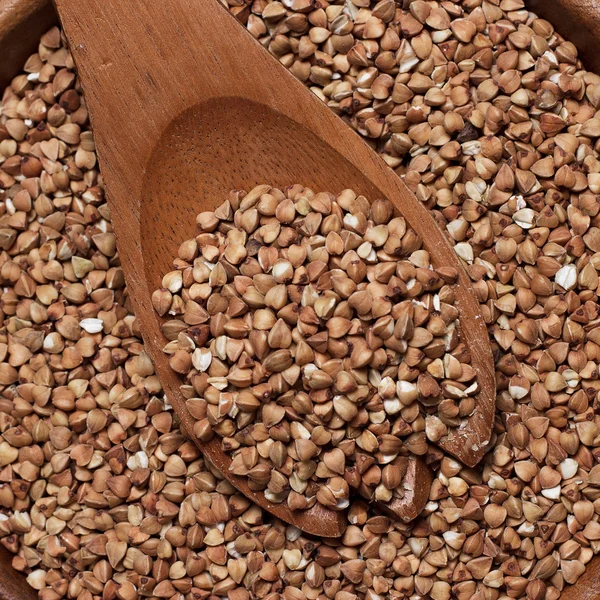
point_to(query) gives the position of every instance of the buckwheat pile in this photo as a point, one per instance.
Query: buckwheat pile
(315, 338)
(491, 119)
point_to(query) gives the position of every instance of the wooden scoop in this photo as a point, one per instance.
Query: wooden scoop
(186, 106)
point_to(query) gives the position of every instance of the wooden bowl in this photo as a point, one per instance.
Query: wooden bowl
(22, 22)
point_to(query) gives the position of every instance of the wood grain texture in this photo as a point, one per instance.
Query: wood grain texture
(179, 119)
(13, 585)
